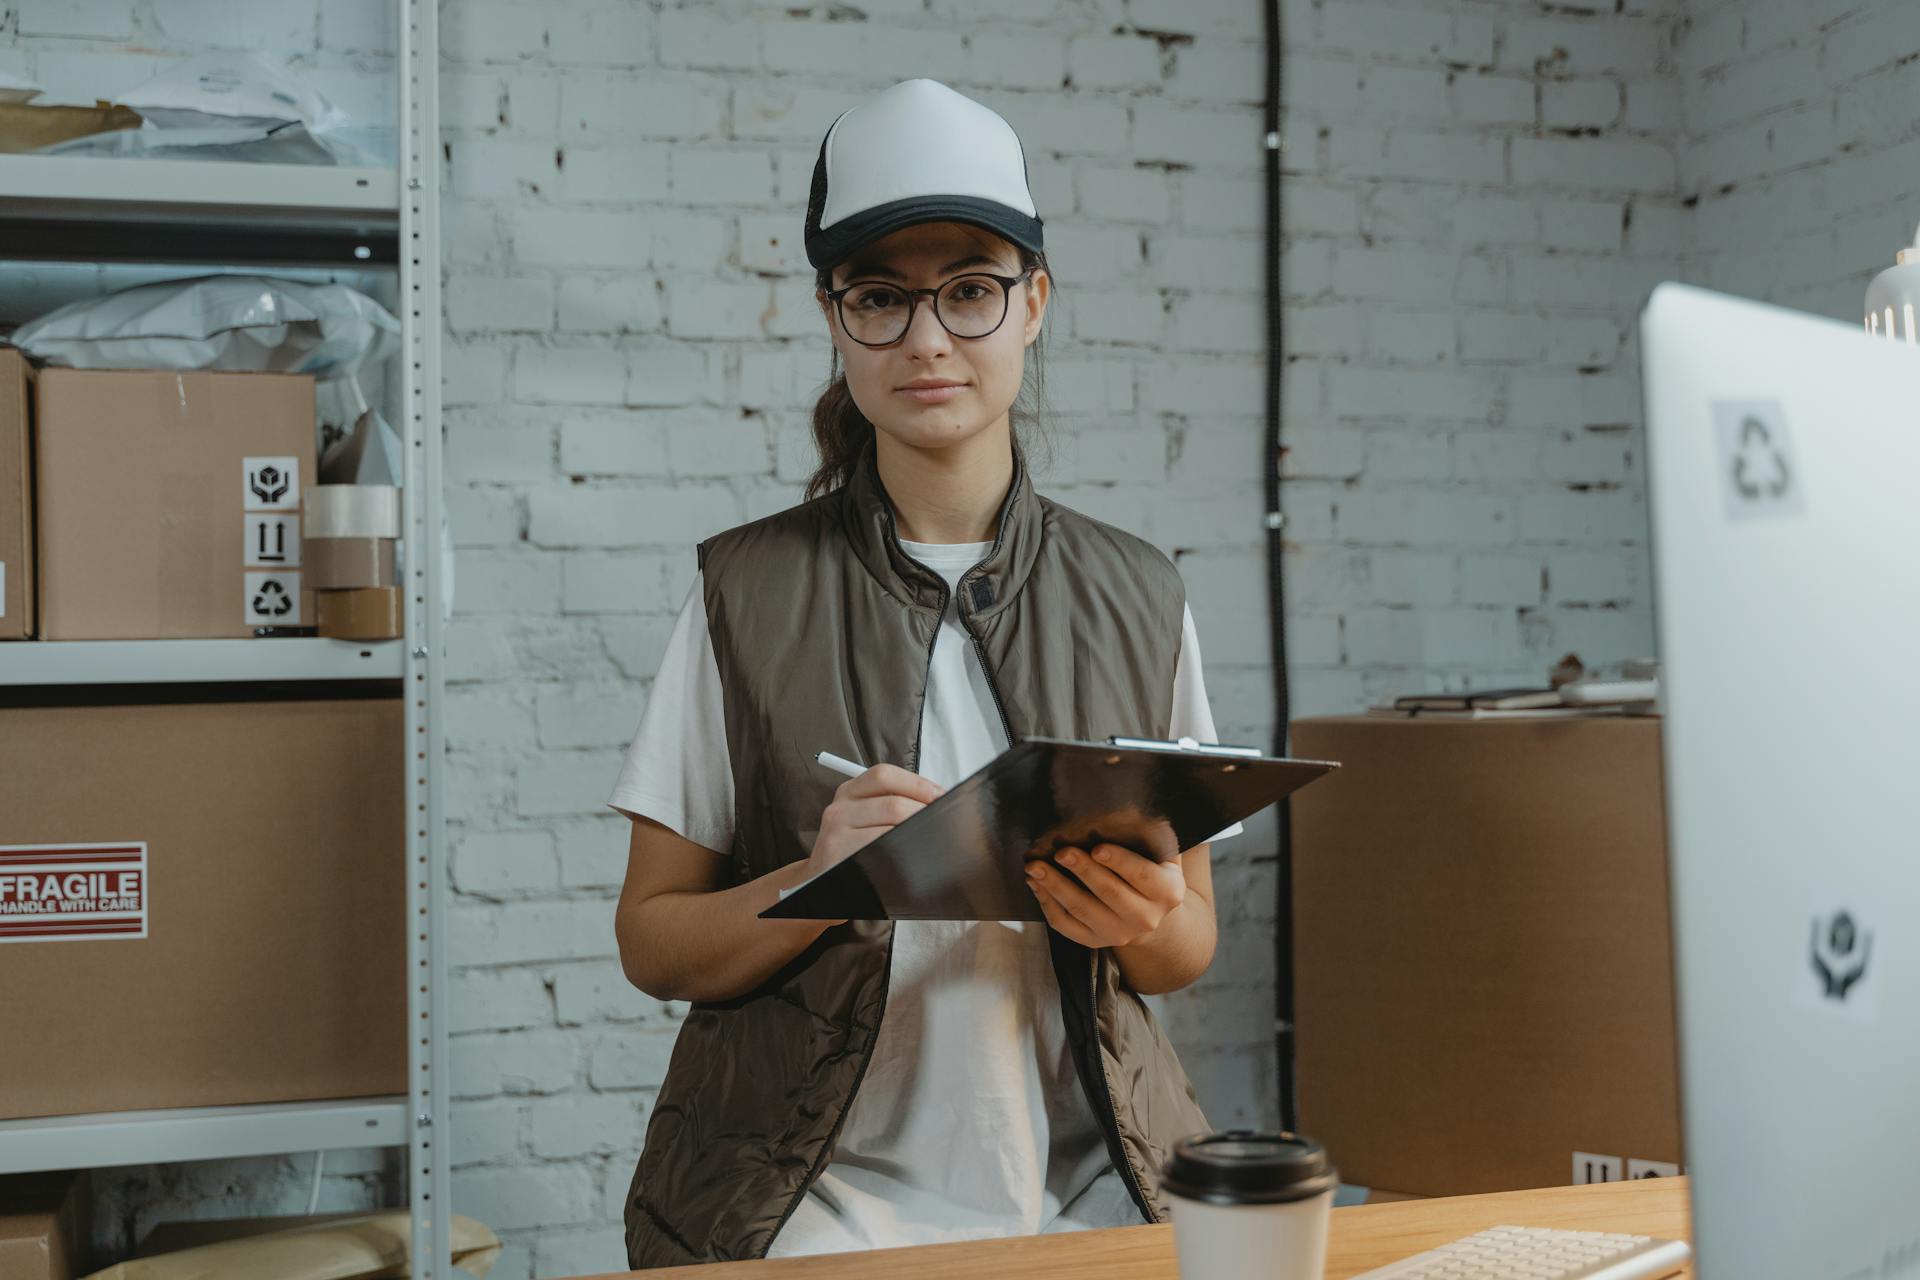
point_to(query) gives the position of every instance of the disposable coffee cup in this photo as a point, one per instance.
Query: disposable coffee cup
(1250, 1206)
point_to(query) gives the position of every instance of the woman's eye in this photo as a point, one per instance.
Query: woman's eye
(972, 291)
(875, 299)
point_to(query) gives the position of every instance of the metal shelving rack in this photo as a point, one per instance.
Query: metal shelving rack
(76, 209)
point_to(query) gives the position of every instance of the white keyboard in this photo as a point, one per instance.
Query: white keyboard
(1537, 1253)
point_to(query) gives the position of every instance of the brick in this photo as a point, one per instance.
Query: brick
(499, 304)
(1111, 61)
(709, 41)
(489, 1064)
(504, 862)
(1015, 61)
(543, 1195)
(581, 1125)
(497, 1000)
(603, 35)
(609, 305)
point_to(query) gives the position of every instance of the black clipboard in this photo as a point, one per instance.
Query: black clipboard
(964, 856)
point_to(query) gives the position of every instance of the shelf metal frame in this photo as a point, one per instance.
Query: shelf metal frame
(429, 1182)
(67, 208)
(199, 1133)
(70, 662)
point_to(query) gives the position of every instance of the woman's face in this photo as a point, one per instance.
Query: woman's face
(987, 370)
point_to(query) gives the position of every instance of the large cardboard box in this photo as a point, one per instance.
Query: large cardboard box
(201, 902)
(43, 1226)
(1483, 974)
(16, 496)
(169, 503)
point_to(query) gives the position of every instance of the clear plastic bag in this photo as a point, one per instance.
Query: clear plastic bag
(234, 322)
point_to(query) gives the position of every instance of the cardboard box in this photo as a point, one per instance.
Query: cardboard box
(1483, 972)
(230, 906)
(43, 1226)
(169, 503)
(16, 496)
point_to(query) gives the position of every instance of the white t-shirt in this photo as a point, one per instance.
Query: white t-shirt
(970, 1122)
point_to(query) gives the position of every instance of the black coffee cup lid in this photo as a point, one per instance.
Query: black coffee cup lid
(1241, 1166)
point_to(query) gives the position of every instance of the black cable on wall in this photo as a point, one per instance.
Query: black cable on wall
(1283, 1038)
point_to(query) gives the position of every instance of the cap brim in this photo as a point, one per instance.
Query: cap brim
(833, 245)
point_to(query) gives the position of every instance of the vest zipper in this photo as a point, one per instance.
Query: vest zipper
(1126, 1165)
(866, 1059)
(1093, 959)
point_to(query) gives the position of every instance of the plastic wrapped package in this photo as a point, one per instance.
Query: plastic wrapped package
(18, 89)
(360, 1246)
(231, 106)
(240, 323)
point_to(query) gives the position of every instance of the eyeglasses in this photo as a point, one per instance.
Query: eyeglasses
(876, 314)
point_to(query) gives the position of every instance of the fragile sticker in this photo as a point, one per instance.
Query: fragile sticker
(273, 599)
(73, 892)
(273, 541)
(1839, 961)
(272, 484)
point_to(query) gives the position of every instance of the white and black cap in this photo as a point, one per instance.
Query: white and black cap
(916, 152)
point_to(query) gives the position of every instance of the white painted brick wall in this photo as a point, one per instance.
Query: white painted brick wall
(1478, 197)
(1802, 146)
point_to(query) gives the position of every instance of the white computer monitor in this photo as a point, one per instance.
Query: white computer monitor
(1784, 484)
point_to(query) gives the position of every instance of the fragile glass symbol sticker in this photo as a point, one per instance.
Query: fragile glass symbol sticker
(273, 599)
(273, 541)
(1758, 477)
(271, 484)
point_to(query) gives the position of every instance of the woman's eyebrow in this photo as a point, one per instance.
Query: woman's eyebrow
(884, 272)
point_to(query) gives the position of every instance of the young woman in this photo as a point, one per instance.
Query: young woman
(856, 1084)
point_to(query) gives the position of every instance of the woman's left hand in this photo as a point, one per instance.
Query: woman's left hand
(1113, 897)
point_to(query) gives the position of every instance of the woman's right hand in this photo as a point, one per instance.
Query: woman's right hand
(866, 807)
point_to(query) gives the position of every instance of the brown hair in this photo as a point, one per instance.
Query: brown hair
(841, 431)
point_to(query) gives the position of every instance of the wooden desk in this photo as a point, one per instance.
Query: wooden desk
(1364, 1237)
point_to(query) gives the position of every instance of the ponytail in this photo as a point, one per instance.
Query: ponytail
(841, 431)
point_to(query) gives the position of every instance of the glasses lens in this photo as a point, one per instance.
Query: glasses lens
(972, 306)
(874, 313)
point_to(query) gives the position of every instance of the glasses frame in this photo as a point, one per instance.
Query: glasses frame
(913, 303)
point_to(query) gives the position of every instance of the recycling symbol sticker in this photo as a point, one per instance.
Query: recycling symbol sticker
(1758, 479)
(272, 599)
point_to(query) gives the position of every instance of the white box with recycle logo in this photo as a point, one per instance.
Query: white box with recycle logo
(169, 502)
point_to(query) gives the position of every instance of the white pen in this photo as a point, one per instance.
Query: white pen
(840, 764)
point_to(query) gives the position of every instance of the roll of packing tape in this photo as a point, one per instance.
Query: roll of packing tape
(345, 564)
(372, 613)
(353, 511)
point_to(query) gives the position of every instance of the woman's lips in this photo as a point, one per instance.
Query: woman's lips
(933, 395)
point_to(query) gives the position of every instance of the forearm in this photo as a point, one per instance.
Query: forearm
(712, 945)
(1175, 954)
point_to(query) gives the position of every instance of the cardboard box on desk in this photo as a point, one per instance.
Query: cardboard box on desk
(169, 503)
(202, 899)
(16, 497)
(1483, 975)
(43, 1226)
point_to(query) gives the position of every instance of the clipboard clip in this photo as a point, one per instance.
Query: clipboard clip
(1184, 744)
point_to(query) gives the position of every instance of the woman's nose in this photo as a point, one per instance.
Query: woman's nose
(925, 333)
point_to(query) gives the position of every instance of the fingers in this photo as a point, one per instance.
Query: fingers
(891, 779)
(1154, 879)
(1061, 921)
(871, 811)
(1082, 905)
(1141, 910)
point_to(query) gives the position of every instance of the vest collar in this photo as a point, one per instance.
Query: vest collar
(984, 589)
